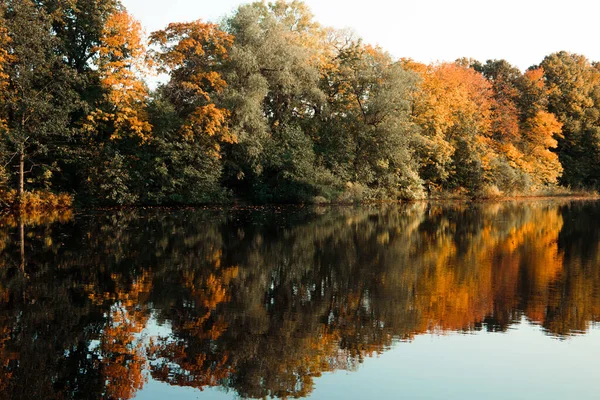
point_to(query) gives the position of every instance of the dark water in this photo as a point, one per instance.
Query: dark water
(418, 301)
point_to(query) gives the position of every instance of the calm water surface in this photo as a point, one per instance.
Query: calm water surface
(421, 301)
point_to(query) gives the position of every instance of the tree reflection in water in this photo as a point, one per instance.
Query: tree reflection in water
(263, 301)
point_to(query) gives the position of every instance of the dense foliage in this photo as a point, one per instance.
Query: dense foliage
(270, 106)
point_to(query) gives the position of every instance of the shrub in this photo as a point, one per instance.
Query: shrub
(36, 201)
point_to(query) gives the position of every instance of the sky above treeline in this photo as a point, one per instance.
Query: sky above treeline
(520, 31)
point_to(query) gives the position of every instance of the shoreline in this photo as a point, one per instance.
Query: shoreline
(6, 211)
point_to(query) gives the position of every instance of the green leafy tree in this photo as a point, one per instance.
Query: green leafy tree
(38, 98)
(273, 90)
(367, 137)
(574, 97)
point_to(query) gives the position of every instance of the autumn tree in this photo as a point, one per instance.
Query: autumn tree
(454, 110)
(74, 90)
(524, 131)
(504, 79)
(121, 61)
(194, 124)
(487, 128)
(117, 126)
(192, 54)
(540, 130)
(5, 56)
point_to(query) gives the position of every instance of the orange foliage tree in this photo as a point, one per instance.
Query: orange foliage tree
(540, 131)
(193, 53)
(454, 110)
(121, 61)
(524, 131)
(485, 126)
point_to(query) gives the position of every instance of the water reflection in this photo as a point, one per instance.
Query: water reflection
(264, 301)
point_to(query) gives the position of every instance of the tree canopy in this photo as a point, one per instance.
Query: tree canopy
(271, 106)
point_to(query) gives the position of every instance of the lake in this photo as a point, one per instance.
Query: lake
(416, 301)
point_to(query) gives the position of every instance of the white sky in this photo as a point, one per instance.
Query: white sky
(520, 31)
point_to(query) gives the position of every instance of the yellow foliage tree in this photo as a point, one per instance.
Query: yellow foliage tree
(454, 104)
(121, 59)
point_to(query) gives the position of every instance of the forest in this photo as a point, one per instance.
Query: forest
(269, 106)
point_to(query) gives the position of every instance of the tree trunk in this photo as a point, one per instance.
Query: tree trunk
(21, 189)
